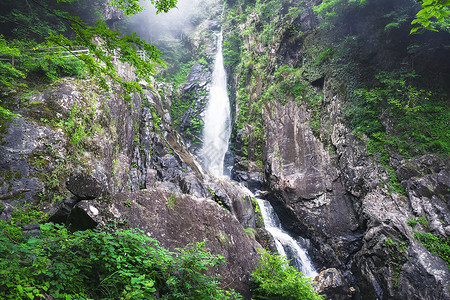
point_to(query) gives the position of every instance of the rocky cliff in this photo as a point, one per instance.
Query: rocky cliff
(297, 82)
(368, 202)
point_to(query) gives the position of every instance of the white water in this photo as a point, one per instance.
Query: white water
(286, 245)
(217, 123)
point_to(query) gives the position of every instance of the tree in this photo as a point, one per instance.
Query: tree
(104, 45)
(432, 11)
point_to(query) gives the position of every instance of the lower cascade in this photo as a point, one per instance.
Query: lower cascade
(286, 245)
(216, 136)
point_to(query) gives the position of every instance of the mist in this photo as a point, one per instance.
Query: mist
(155, 28)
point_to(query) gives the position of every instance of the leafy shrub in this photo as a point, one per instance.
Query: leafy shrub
(178, 76)
(51, 67)
(124, 264)
(276, 280)
(424, 222)
(411, 222)
(232, 51)
(419, 116)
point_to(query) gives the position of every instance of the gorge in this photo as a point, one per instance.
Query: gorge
(329, 111)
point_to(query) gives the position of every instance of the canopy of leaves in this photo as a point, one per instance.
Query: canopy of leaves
(38, 24)
(432, 11)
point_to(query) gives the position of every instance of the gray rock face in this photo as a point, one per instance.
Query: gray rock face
(295, 158)
(326, 187)
(84, 186)
(235, 200)
(111, 14)
(305, 188)
(177, 220)
(427, 270)
(355, 223)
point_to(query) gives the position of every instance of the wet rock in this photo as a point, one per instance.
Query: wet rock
(295, 157)
(81, 219)
(338, 202)
(213, 25)
(191, 185)
(252, 180)
(197, 78)
(331, 282)
(6, 213)
(265, 239)
(31, 230)
(60, 212)
(234, 198)
(418, 167)
(177, 220)
(434, 277)
(85, 186)
(111, 14)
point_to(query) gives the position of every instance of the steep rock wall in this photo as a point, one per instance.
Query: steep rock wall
(322, 179)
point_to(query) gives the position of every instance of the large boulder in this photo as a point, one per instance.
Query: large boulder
(177, 220)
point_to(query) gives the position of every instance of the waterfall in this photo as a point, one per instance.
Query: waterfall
(286, 245)
(216, 134)
(217, 122)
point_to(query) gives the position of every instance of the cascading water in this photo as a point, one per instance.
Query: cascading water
(217, 123)
(286, 245)
(216, 134)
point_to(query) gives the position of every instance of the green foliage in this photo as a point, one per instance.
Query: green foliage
(419, 119)
(411, 222)
(36, 62)
(124, 264)
(105, 46)
(436, 245)
(251, 232)
(23, 214)
(397, 19)
(330, 10)
(32, 20)
(203, 61)
(102, 55)
(424, 222)
(232, 51)
(179, 76)
(31, 63)
(432, 11)
(80, 124)
(434, 15)
(274, 279)
(324, 54)
(132, 7)
(171, 201)
(397, 257)
(8, 73)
